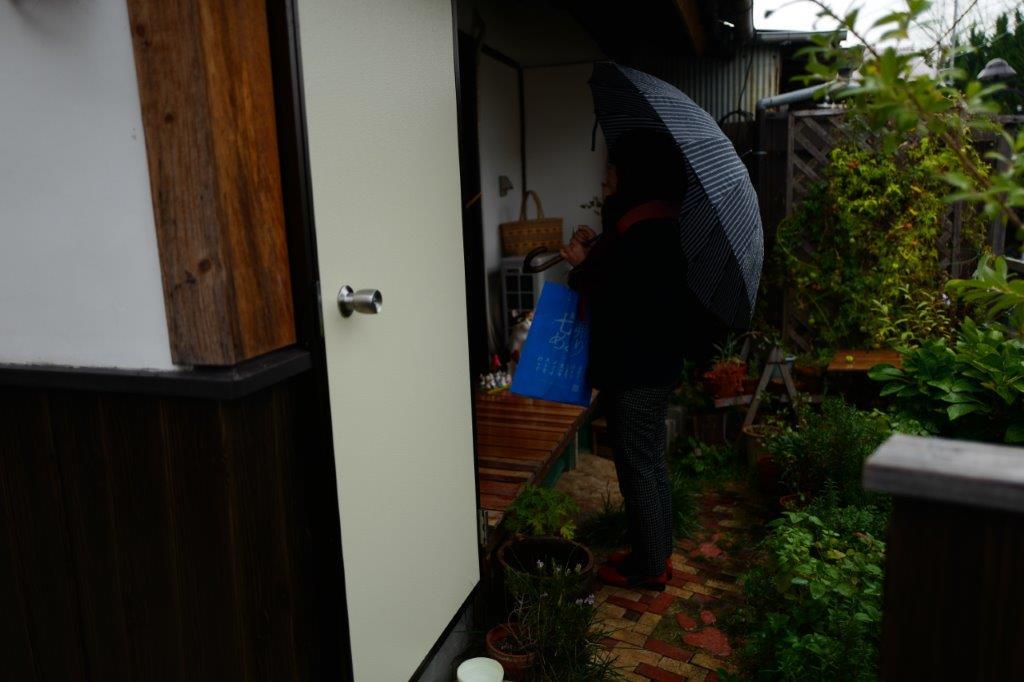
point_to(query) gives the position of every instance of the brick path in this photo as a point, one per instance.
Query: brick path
(674, 635)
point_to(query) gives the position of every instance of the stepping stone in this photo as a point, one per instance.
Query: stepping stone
(710, 639)
(685, 622)
(707, 617)
(708, 550)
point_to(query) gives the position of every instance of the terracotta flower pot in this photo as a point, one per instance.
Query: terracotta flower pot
(792, 502)
(753, 439)
(515, 663)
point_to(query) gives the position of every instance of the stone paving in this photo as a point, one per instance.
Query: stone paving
(675, 635)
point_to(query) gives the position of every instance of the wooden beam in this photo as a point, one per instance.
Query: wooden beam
(208, 110)
(690, 12)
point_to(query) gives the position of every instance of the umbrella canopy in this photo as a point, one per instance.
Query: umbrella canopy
(720, 222)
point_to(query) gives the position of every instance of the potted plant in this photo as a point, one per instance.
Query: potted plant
(553, 631)
(510, 645)
(725, 378)
(542, 521)
(753, 439)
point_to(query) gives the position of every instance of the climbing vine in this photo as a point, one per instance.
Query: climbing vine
(860, 254)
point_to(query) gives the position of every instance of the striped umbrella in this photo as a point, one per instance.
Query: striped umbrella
(720, 223)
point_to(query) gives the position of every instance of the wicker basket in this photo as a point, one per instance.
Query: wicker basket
(522, 236)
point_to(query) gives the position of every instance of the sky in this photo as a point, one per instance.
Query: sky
(801, 15)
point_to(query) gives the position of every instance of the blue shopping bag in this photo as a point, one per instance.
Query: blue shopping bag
(553, 362)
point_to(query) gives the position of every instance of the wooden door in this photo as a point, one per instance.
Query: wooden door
(383, 149)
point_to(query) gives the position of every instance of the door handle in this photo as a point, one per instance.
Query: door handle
(366, 301)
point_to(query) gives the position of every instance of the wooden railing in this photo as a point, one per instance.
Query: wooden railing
(954, 583)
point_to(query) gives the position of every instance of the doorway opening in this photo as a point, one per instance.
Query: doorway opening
(525, 138)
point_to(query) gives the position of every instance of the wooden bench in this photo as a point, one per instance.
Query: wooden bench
(861, 361)
(519, 441)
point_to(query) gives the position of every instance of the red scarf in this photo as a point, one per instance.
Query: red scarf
(649, 210)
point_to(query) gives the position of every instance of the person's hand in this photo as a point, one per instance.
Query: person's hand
(575, 252)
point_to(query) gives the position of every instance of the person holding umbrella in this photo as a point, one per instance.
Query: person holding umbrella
(677, 263)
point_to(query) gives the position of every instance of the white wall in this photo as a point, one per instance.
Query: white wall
(500, 152)
(79, 269)
(559, 164)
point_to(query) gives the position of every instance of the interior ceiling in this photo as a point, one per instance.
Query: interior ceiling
(530, 32)
(629, 30)
(547, 32)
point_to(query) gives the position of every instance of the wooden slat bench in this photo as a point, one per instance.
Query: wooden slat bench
(519, 441)
(861, 361)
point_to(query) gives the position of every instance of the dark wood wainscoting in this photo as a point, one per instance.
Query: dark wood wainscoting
(153, 538)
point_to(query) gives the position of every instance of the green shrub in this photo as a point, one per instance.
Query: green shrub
(697, 460)
(542, 511)
(860, 252)
(973, 388)
(827, 448)
(814, 605)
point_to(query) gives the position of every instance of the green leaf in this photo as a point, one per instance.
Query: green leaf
(891, 389)
(961, 409)
(958, 179)
(885, 373)
(1015, 434)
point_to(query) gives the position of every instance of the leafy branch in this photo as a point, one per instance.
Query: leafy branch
(897, 99)
(994, 292)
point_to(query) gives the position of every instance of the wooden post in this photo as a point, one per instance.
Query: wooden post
(207, 100)
(997, 228)
(954, 583)
(689, 10)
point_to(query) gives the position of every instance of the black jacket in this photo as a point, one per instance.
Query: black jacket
(644, 321)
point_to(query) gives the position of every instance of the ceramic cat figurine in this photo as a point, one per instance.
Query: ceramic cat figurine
(520, 330)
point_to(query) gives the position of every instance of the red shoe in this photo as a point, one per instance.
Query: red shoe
(616, 558)
(610, 575)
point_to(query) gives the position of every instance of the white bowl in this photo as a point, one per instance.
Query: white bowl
(480, 670)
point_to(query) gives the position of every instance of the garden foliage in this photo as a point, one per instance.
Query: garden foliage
(814, 606)
(860, 253)
(542, 511)
(973, 388)
(995, 294)
(827, 448)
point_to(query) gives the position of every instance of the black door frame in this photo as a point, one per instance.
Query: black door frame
(334, 646)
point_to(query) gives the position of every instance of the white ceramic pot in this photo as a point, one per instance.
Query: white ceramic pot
(480, 670)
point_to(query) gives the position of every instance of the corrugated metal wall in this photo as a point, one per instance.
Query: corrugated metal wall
(722, 85)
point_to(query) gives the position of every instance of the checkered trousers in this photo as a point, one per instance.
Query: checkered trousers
(636, 425)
